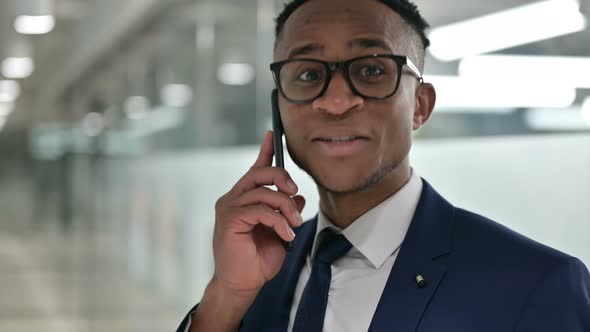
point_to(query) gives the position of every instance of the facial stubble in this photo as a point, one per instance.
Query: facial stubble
(372, 179)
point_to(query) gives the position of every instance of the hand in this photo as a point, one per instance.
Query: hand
(251, 221)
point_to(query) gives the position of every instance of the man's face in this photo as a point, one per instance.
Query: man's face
(318, 134)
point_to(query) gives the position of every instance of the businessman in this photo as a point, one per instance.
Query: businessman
(386, 252)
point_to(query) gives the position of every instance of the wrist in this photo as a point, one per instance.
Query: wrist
(221, 308)
(236, 298)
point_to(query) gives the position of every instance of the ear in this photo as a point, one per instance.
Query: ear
(425, 100)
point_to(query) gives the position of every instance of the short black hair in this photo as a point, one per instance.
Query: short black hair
(404, 8)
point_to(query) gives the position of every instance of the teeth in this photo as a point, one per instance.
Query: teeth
(338, 139)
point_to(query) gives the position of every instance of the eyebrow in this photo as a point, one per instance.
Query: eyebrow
(369, 43)
(355, 43)
(304, 50)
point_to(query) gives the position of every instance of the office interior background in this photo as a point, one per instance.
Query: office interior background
(122, 122)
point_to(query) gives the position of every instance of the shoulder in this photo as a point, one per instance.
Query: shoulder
(488, 239)
(533, 278)
(489, 251)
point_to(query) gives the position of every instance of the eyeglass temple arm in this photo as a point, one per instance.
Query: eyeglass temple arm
(414, 69)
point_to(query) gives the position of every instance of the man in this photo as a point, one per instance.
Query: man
(386, 252)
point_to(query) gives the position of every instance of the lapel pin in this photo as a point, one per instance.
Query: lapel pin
(420, 281)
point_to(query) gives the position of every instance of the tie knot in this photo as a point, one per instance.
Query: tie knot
(332, 247)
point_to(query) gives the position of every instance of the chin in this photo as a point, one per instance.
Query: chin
(338, 187)
(343, 181)
(346, 187)
(347, 179)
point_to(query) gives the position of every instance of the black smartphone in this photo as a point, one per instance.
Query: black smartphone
(277, 130)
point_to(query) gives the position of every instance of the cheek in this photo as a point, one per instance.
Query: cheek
(291, 119)
(397, 130)
(402, 113)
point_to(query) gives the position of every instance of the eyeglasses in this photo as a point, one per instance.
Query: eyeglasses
(375, 76)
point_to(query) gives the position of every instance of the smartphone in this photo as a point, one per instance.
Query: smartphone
(277, 129)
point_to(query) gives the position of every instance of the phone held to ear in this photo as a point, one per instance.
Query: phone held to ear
(277, 129)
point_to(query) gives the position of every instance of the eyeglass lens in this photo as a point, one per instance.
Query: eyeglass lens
(371, 77)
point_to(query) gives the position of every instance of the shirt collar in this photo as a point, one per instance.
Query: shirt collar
(379, 232)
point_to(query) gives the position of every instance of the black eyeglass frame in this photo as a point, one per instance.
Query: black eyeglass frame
(344, 66)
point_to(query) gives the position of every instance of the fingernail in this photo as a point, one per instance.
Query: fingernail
(291, 232)
(297, 216)
(291, 185)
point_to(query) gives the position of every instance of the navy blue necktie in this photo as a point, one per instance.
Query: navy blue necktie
(312, 306)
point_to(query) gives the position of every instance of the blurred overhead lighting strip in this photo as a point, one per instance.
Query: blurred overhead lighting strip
(6, 109)
(485, 94)
(176, 95)
(548, 69)
(34, 17)
(17, 67)
(34, 25)
(518, 26)
(9, 91)
(236, 73)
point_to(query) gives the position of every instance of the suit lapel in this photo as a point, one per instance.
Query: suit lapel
(270, 311)
(403, 302)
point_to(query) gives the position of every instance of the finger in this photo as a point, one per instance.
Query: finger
(276, 200)
(266, 151)
(250, 216)
(267, 176)
(299, 202)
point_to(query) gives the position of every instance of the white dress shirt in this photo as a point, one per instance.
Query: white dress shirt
(359, 277)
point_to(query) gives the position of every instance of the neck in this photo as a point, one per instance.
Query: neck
(342, 209)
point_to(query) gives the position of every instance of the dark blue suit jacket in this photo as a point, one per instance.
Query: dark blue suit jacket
(480, 276)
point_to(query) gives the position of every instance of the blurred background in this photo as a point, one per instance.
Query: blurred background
(122, 122)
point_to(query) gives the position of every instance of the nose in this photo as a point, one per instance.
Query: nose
(338, 98)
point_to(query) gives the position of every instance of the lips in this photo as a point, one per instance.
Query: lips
(340, 145)
(343, 139)
(338, 136)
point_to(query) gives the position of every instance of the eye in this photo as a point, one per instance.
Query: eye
(371, 71)
(309, 75)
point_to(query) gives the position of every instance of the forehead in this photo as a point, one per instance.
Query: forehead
(332, 24)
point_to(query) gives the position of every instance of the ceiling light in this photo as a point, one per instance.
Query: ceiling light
(6, 109)
(9, 91)
(34, 25)
(17, 67)
(517, 26)
(495, 93)
(176, 95)
(235, 73)
(536, 69)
